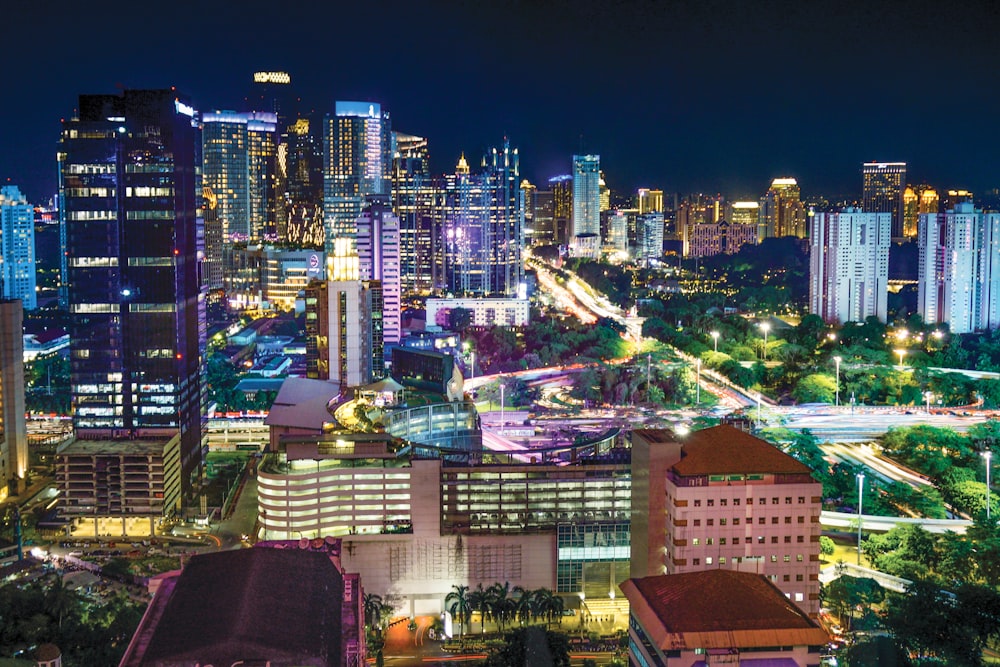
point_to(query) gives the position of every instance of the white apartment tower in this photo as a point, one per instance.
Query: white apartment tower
(379, 255)
(849, 265)
(959, 268)
(17, 243)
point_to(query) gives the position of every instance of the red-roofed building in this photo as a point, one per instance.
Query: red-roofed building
(722, 499)
(717, 617)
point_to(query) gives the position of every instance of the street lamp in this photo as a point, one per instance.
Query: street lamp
(861, 491)
(902, 353)
(472, 364)
(927, 397)
(765, 327)
(501, 407)
(715, 340)
(988, 455)
(697, 382)
(836, 361)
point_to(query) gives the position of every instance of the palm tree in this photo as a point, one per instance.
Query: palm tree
(374, 610)
(500, 602)
(59, 600)
(457, 602)
(479, 600)
(542, 599)
(523, 605)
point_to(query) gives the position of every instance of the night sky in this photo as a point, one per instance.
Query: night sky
(704, 95)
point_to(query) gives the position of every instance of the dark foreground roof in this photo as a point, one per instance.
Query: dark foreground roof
(281, 605)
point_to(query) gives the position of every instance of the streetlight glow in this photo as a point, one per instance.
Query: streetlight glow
(988, 455)
(861, 491)
(715, 340)
(837, 360)
(902, 353)
(765, 327)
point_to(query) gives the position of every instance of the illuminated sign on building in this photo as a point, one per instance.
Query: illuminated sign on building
(271, 77)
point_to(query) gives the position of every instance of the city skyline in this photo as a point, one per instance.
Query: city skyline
(713, 97)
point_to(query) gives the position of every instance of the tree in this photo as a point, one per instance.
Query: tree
(59, 600)
(826, 546)
(459, 605)
(815, 388)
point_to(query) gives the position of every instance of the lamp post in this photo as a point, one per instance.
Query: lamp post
(902, 353)
(472, 364)
(927, 397)
(501, 407)
(836, 361)
(715, 340)
(697, 382)
(988, 455)
(765, 327)
(861, 491)
(649, 368)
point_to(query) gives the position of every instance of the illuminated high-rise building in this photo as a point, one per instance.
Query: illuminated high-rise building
(529, 196)
(357, 144)
(300, 165)
(951, 198)
(416, 201)
(17, 247)
(781, 211)
(649, 230)
(562, 208)
(379, 259)
(13, 429)
(917, 200)
(882, 191)
(959, 268)
(131, 193)
(849, 265)
(239, 170)
(649, 201)
(484, 226)
(605, 194)
(586, 195)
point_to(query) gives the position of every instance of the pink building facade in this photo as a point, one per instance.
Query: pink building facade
(724, 499)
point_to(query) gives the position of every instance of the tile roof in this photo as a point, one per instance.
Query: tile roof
(249, 604)
(716, 608)
(726, 450)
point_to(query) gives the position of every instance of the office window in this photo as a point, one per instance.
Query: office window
(802, 519)
(788, 539)
(696, 561)
(802, 500)
(697, 503)
(710, 522)
(774, 539)
(696, 522)
(774, 519)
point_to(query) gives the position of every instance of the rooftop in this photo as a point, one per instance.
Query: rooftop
(145, 447)
(726, 450)
(302, 402)
(719, 608)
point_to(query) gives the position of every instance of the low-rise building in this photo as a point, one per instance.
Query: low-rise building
(485, 312)
(716, 617)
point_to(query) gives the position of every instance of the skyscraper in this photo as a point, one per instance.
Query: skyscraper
(849, 265)
(239, 163)
(131, 192)
(13, 430)
(300, 166)
(649, 201)
(378, 254)
(586, 195)
(882, 191)
(917, 200)
(781, 211)
(484, 226)
(357, 144)
(416, 201)
(959, 268)
(17, 247)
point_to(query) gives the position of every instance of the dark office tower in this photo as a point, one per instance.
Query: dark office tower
(544, 217)
(357, 145)
(882, 192)
(484, 227)
(131, 192)
(562, 207)
(416, 201)
(272, 92)
(300, 166)
(13, 430)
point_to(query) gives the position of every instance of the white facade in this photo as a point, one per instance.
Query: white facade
(17, 243)
(959, 268)
(350, 332)
(378, 252)
(485, 312)
(849, 265)
(587, 195)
